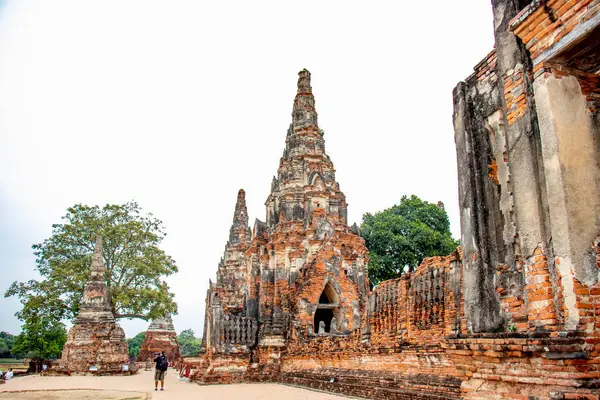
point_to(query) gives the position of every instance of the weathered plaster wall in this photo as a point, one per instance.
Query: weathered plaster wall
(569, 140)
(485, 219)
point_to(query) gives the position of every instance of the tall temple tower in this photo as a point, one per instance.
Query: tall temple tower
(311, 265)
(306, 176)
(302, 273)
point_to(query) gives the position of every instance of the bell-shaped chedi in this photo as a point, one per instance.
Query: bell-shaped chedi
(95, 342)
(161, 336)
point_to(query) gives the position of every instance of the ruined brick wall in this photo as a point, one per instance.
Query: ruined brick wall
(417, 372)
(542, 24)
(546, 27)
(561, 38)
(511, 196)
(538, 151)
(399, 355)
(429, 300)
(420, 307)
(389, 312)
(525, 366)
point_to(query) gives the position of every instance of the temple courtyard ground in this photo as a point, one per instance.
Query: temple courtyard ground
(141, 387)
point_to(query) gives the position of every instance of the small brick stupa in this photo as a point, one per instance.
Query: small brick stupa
(96, 343)
(161, 336)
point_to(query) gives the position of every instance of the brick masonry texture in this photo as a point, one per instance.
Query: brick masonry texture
(542, 24)
(511, 314)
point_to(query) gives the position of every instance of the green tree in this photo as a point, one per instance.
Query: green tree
(135, 265)
(7, 341)
(42, 338)
(135, 344)
(189, 345)
(400, 237)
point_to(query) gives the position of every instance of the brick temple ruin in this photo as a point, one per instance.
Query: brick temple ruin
(298, 276)
(514, 313)
(96, 343)
(161, 336)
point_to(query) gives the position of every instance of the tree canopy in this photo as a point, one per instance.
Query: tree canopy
(135, 344)
(7, 342)
(189, 345)
(400, 237)
(42, 338)
(135, 265)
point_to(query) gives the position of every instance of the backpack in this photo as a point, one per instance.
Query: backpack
(163, 364)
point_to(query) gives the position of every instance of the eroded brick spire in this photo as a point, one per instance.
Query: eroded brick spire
(162, 324)
(96, 303)
(304, 113)
(304, 136)
(306, 176)
(239, 231)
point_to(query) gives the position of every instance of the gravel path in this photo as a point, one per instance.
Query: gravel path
(143, 382)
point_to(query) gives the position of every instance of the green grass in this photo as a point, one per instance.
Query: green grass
(10, 361)
(16, 365)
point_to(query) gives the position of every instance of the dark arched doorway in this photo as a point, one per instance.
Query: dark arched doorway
(324, 315)
(327, 308)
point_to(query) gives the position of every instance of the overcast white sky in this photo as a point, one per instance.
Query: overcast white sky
(178, 104)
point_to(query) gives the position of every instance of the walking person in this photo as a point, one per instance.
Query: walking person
(160, 370)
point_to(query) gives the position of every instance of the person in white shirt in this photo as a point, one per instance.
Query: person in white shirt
(9, 374)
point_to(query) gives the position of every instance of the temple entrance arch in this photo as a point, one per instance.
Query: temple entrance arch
(328, 308)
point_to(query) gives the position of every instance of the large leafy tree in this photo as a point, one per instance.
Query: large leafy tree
(399, 238)
(135, 344)
(42, 338)
(135, 265)
(189, 345)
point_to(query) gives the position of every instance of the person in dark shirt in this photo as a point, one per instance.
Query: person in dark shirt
(160, 370)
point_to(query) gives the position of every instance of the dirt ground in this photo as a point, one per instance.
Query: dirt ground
(141, 387)
(75, 395)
